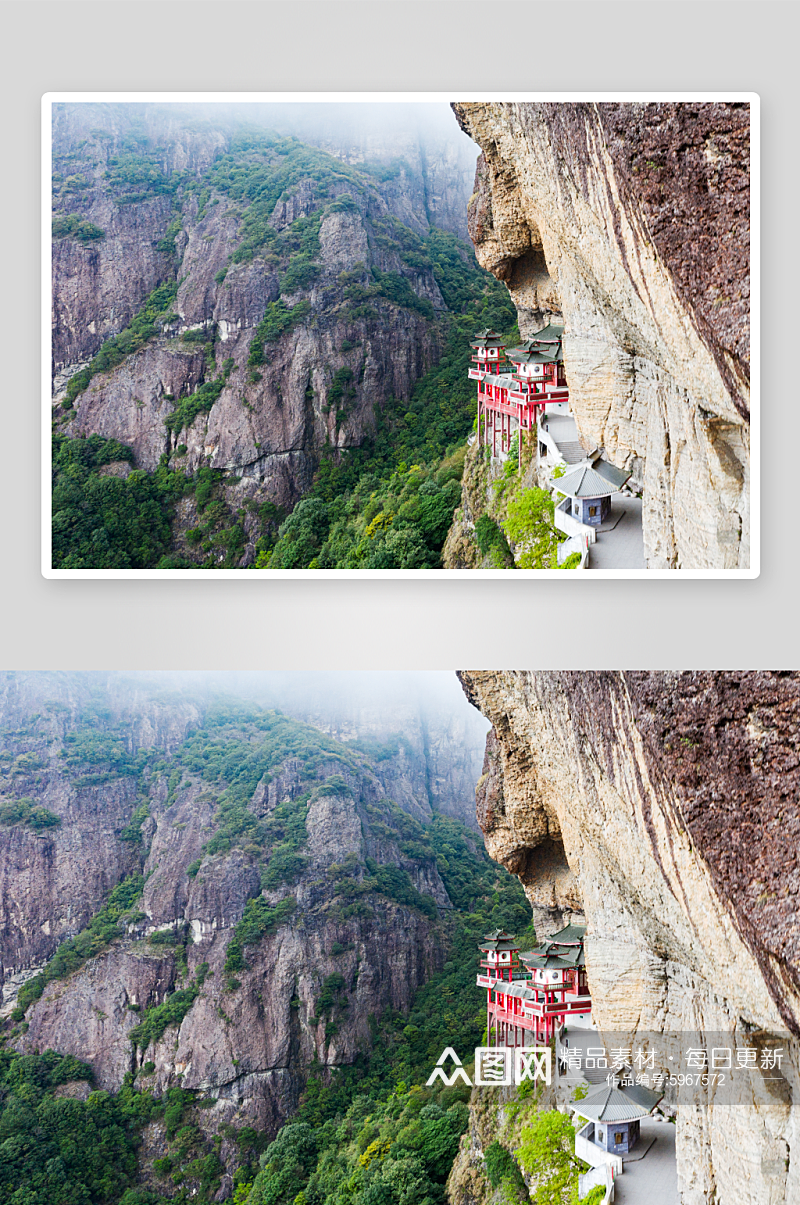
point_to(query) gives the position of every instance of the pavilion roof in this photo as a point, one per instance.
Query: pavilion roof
(486, 338)
(545, 354)
(552, 333)
(498, 939)
(570, 935)
(521, 990)
(566, 946)
(548, 962)
(614, 476)
(542, 348)
(611, 1102)
(584, 482)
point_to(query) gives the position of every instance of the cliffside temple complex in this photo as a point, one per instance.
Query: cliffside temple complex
(524, 389)
(530, 996)
(514, 386)
(589, 487)
(615, 1111)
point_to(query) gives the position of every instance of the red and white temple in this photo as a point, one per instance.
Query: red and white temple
(534, 993)
(515, 385)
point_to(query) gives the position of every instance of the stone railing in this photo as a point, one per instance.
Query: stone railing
(598, 1175)
(591, 1153)
(574, 544)
(567, 523)
(544, 436)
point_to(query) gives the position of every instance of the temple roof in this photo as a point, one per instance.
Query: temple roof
(505, 379)
(585, 482)
(566, 955)
(498, 939)
(616, 477)
(552, 333)
(610, 1102)
(486, 338)
(543, 347)
(564, 948)
(521, 990)
(570, 935)
(548, 962)
(535, 355)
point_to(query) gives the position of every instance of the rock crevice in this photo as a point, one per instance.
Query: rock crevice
(674, 798)
(632, 221)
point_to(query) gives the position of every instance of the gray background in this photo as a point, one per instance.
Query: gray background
(387, 46)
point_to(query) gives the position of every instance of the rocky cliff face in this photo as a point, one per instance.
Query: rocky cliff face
(425, 165)
(142, 175)
(426, 751)
(632, 220)
(663, 808)
(280, 893)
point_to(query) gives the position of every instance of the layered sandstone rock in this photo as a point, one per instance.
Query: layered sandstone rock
(632, 221)
(663, 807)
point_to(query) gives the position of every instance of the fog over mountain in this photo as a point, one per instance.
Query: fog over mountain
(440, 738)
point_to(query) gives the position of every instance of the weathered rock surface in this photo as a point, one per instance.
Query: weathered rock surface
(663, 807)
(632, 220)
(53, 881)
(94, 750)
(426, 752)
(267, 428)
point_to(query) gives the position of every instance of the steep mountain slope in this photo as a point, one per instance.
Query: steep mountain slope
(238, 305)
(220, 908)
(632, 221)
(663, 807)
(427, 751)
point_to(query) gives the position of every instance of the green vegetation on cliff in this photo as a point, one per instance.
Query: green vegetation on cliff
(508, 510)
(73, 953)
(364, 1133)
(60, 1145)
(389, 503)
(81, 229)
(25, 811)
(153, 313)
(531, 525)
(161, 1017)
(373, 1133)
(105, 521)
(383, 495)
(546, 1152)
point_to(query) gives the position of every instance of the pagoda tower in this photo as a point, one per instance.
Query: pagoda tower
(529, 996)
(516, 386)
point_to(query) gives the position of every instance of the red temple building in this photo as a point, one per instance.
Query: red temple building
(515, 385)
(529, 996)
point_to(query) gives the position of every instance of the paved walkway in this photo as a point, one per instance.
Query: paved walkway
(563, 430)
(623, 547)
(652, 1180)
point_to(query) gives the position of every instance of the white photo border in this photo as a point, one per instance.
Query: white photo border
(52, 98)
